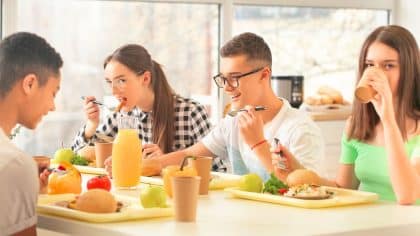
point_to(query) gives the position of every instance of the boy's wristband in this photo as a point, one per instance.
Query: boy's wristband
(258, 144)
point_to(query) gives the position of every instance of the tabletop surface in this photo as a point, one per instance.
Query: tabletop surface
(220, 214)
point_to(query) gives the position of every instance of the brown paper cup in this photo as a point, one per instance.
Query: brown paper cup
(203, 167)
(102, 152)
(43, 163)
(364, 93)
(185, 193)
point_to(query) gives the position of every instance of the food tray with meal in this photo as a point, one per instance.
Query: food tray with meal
(302, 188)
(127, 208)
(86, 169)
(218, 180)
(91, 170)
(338, 197)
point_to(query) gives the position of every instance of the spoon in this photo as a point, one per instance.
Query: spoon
(235, 112)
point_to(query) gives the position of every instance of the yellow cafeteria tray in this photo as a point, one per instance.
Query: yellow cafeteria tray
(86, 169)
(218, 181)
(91, 170)
(132, 210)
(341, 197)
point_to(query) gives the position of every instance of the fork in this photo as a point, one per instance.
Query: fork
(235, 112)
(282, 160)
(98, 103)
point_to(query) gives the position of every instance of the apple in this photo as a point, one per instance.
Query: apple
(63, 155)
(251, 183)
(153, 196)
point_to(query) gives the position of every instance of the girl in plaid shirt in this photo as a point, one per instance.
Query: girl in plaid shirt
(140, 84)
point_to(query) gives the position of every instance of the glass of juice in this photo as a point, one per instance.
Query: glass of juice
(126, 154)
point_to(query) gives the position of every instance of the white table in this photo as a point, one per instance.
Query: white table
(218, 214)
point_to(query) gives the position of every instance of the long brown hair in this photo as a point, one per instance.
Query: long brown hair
(364, 117)
(138, 59)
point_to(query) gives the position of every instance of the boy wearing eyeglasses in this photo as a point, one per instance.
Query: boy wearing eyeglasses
(244, 140)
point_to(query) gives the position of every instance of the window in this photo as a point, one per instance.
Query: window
(322, 44)
(320, 40)
(182, 37)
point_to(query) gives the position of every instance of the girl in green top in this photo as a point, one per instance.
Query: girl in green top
(381, 143)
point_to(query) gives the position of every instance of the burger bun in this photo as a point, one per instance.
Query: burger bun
(96, 201)
(303, 176)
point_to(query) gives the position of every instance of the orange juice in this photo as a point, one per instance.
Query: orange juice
(126, 159)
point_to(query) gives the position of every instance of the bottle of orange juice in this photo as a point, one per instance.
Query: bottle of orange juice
(126, 154)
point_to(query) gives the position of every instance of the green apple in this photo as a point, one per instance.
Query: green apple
(153, 196)
(251, 183)
(63, 155)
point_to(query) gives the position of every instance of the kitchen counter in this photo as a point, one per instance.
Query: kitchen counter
(327, 116)
(219, 214)
(327, 112)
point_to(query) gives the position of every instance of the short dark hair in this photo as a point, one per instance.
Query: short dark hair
(24, 53)
(249, 44)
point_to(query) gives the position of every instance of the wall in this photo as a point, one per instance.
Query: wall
(407, 15)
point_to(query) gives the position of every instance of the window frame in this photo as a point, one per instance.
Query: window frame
(8, 17)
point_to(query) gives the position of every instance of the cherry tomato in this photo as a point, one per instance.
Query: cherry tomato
(282, 191)
(101, 182)
(60, 167)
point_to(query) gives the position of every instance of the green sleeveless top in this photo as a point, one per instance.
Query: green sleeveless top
(371, 165)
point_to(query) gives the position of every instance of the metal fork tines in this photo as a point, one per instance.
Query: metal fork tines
(99, 103)
(96, 102)
(235, 112)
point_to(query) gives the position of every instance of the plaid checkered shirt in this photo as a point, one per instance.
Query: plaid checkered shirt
(191, 124)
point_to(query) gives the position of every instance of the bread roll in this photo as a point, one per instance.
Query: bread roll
(310, 100)
(87, 152)
(326, 99)
(332, 93)
(150, 167)
(303, 176)
(96, 201)
(318, 99)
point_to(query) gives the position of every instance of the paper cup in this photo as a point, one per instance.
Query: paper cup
(102, 152)
(203, 167)
(185, 193)
(364, 92)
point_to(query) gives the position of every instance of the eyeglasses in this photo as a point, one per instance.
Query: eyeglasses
(120, 83)
(233, 80)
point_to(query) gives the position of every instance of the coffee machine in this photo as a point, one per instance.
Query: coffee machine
(289, 87)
